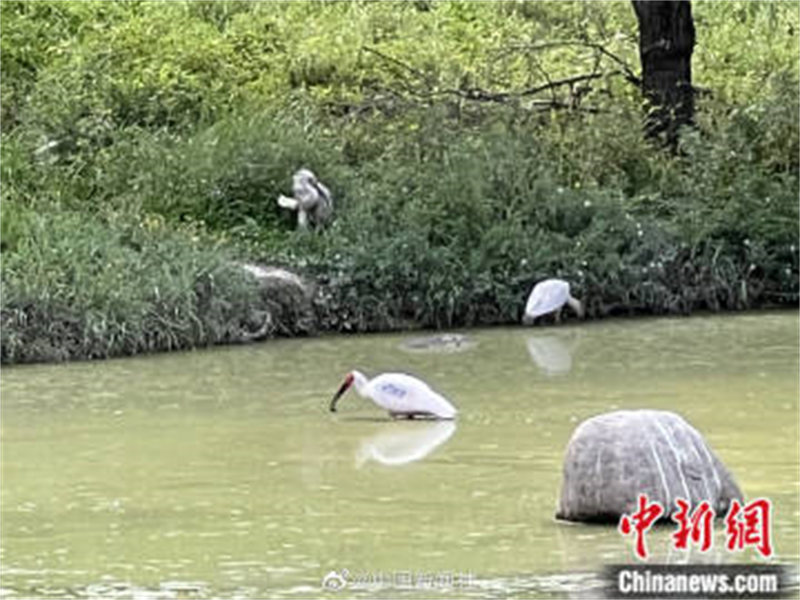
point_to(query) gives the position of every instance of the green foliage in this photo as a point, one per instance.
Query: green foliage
(741, 47)
(78, 287)
(230, 174)
(34, 34)
(459, 239)
(144, 145)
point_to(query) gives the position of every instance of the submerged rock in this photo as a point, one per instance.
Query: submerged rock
(613, 458)
(446, 342)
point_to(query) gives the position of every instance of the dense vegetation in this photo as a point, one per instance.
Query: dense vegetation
(144, 145)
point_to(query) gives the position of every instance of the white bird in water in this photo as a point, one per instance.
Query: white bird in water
(400, 394)
(549, 296)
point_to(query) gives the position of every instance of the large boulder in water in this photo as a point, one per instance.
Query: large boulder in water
(613, 458)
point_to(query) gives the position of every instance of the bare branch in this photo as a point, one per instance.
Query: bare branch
(399, 63)
(626, 68)
(566, 81)
(478, 94)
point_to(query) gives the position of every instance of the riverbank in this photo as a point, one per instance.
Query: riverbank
(136, 288)
(127, 208)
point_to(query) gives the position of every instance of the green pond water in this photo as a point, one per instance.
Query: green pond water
(221, 473)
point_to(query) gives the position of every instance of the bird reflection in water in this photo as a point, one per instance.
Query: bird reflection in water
(553, 355)
(402, 443)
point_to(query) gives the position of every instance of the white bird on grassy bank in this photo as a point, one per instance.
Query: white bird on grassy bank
(312, 200)
(550, 296)
(400, 394)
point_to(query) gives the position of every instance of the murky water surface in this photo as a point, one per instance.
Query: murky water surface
(221, 474)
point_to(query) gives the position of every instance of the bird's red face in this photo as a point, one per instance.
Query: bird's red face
(348, 381)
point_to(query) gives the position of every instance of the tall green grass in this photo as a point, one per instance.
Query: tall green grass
(92, 287)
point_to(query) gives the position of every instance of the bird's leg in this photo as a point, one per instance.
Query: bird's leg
(302, 219)
(558, 316)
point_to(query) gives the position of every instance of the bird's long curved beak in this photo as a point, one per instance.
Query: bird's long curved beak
(338, 394)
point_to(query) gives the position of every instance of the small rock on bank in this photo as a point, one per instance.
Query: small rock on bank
(285, 303)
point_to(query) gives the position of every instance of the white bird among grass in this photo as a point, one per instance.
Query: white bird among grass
(312, 200)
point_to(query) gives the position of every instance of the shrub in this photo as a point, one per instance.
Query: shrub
(91, 288)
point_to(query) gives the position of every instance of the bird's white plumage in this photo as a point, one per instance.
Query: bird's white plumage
(287, 202)
(403, 394)
(308, 189)
(547, 296)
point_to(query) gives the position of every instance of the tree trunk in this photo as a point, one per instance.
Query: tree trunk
(666, 42)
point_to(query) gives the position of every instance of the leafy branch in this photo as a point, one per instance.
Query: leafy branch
(601, 51)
